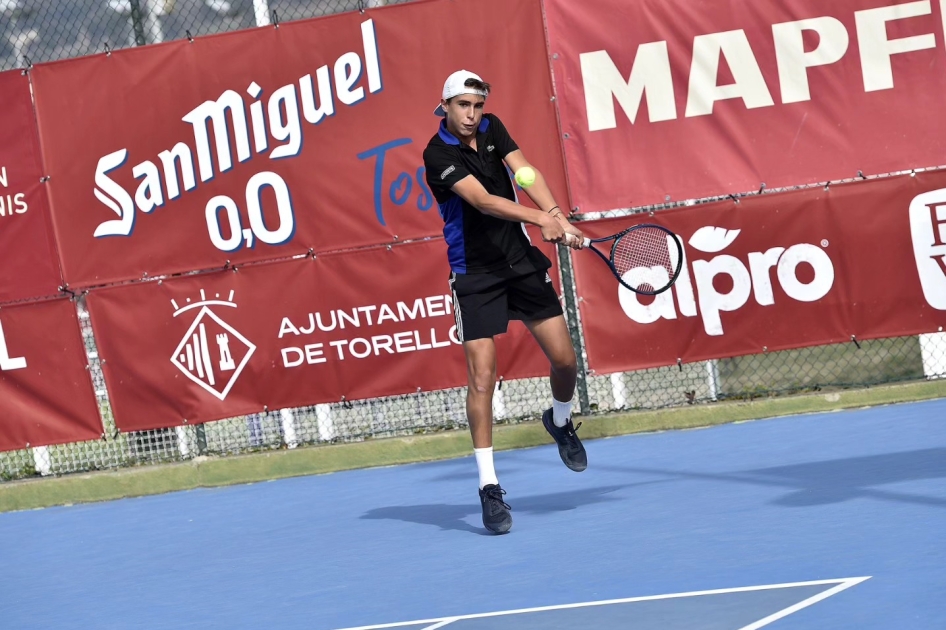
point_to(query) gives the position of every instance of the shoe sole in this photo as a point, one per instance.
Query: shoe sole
(499, 532)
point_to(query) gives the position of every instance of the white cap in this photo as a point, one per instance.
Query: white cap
(455, 86)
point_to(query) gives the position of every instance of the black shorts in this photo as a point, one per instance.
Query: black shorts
(483, 303)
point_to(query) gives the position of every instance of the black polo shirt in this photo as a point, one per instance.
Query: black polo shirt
(476, 242)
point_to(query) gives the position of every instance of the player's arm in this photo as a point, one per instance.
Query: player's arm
(473, 192)
(541, 195)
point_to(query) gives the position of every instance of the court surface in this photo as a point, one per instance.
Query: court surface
(810, 522)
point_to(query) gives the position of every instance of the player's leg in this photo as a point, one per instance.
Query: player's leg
(532, 299)
(480, 307)
(553, 337)
(481, 380)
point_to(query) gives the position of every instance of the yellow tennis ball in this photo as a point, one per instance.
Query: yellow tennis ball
(525, 176)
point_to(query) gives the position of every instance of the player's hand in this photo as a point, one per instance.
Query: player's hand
(573, 236)
(552, 230)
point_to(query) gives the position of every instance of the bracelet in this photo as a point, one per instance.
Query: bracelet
(552, 208)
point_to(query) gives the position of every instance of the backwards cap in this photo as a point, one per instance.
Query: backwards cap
(455, 85)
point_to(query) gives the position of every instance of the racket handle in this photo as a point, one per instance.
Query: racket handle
(586, 242)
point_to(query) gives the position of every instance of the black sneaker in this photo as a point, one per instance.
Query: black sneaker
(496, 516)
(569, 446)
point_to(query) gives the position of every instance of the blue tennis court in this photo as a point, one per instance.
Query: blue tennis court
(809, 522)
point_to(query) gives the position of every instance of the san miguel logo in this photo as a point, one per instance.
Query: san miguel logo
(928, 229)
(212, 353)
(233, 129)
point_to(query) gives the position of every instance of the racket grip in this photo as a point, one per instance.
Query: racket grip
(586, 242)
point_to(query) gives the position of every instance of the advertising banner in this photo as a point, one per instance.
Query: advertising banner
(857, 261)
(30, 266)
(46, 394)
(668, 100)
(271, 142)
(343, 326)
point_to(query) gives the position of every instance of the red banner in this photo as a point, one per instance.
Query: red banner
(863, 260)
(262, 144)
(343, 326)
(30, 268)
(741, 93)
(46, 394)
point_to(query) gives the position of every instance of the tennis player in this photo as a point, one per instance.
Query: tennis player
(497, 274)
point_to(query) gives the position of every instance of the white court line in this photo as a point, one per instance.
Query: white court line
(842, 584)
(441, 624)
(846, 584)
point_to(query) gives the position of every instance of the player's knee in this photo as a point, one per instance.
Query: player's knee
(484, 381)
(565, 364)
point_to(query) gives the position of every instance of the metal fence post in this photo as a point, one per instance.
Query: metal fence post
(571, 318)
(137, 22)
(201, 439)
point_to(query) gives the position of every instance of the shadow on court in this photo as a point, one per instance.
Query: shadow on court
(832, 481)
(839, 480)
(451, 517)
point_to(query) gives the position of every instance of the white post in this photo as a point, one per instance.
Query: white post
(712, 378)
(619, 390)
(261, 12)
(933, 351)
(152, 9)
(41, 460)
(325, 423)
(183, 447)
(499, 402)
(288, 427)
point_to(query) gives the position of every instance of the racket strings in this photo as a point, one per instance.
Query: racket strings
(646, 251)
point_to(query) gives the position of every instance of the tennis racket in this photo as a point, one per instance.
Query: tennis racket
(645, 258)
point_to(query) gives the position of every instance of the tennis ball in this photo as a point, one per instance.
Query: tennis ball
(525, 176)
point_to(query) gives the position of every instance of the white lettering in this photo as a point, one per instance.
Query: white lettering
(712, 302)
(285, 129)
(286, 328)
(759, 265)
(294, 362)
(414, 313)
(314, 354)
(435, 305)
(148, 196)
(704, 72)
(372, 61)
(819, 261)
(326, 105)
(347, 73)
(215, 112)
(603, 84)
(113, 196)
(876, 49)
(382, 342)
(402, 341)
(8, 363)
(793, 62)
(359, 354)
(180, 154)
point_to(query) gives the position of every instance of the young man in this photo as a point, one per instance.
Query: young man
(497, 274)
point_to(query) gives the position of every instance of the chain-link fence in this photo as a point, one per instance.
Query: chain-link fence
(45, 30)
(786, 372)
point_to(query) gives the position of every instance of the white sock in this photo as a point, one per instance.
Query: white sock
(484, 463)
(561, 412)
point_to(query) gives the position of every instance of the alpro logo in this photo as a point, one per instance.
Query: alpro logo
(751, 277)
(212, 353)
(928, 229)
